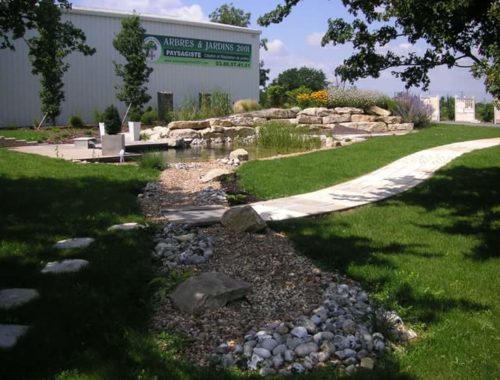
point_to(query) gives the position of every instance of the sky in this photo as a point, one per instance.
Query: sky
(295, 42)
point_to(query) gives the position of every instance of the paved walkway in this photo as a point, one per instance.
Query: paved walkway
(385, 182)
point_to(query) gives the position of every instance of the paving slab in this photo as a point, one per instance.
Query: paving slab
(74, 243)
(10, 334)
(196, 217)
(15, 297)
(65, 266)
(126, 227)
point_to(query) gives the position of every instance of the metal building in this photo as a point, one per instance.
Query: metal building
(188, 58)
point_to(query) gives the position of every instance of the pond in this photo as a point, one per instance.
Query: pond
(197, 154)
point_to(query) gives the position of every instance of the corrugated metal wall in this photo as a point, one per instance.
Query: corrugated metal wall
(90, 82)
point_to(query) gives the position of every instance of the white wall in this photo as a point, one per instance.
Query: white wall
(90, 83)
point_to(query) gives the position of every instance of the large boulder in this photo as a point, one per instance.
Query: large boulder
(275, 113)
(362, 118)
(401, 127)
(184, 134)
(190, 124)
(214, 174)
(337, 118)
(239, 154)
(242, 121)
(351, 110)
(390, 119)
(220, 122)
(317, 111)
(243, 132)
(306, 119)
(367, 126)
(208, 291)
(374, 110)
(243, 219)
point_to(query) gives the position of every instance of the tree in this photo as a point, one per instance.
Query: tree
(263, 74)
(229, 15)
(19, 16)
(294, 78)
(129, 42)
(47, 50)
(459, 33)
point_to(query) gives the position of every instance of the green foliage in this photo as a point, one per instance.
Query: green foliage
(230, 15)
(217, 104)
(485, 112)
(305, 76)
(447, 108)
(134, 115)
(129, 42)
(275, 96)
(112, 120)
(453, 30)
(47, 51)
(153, 160)
(292, 95)
(285, 137)
(352, 97)
(98, 116)
(76, 121)
(149, 117)
(263, 74)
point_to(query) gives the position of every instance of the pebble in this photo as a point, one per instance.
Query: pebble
(299, 332)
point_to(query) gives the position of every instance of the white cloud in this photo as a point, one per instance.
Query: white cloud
(275, 48)
(405, 46)
(314, 39)
(171, 8)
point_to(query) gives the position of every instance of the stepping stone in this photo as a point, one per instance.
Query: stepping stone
(208, 291)
(65, 266)
(74, 243)
(203, 216)
(126, 227)
(10, 334)
(214, 174)
(11, 298)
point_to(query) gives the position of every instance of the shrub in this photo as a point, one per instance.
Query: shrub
(485, 112)
(98, 116)
(219, 104)
(134, 115)
(245, 105)
(215, 105)
(112, 120)
(447, 108)
(75, 121)
(285, 137)
(352, 97)
(149, 117)
(275, 95)
(152, 160)
(293, 95)
(413, 110)
(313, 99)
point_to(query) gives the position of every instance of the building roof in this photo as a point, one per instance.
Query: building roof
(171, 20)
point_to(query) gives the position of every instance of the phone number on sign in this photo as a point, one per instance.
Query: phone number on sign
(232, 64)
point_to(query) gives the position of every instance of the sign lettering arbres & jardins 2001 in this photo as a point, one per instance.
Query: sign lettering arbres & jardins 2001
(167, 49)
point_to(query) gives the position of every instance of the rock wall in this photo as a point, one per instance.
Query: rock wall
(242, 126)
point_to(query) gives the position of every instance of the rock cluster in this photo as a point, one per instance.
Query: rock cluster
(179, 244)
(339, 333)
(242, 126)
(211, 196)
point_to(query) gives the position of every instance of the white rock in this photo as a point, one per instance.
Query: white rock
(126, 227)
(299, 332)
(65, 266)
(10, 334)
(11, 298)
(74, 243)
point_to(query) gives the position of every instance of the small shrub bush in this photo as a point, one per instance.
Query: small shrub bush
(413, 110)
(245, 105)
(292, 95)
(112, 120)
(313, 99)
(98, 116)
(275, 96)
(218, 104)
(485, 112)
(152, 160)
(285, 137)
(75, 121)
(149, 117)
(352, 97)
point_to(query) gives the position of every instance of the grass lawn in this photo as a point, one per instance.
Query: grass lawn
(301, 174)
(433, 255)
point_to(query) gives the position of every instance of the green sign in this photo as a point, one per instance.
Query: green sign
(167, 49)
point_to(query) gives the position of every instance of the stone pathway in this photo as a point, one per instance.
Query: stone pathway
(11, 298)
(385, 182)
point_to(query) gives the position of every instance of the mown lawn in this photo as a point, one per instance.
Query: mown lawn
(433, 255)
(301, 174)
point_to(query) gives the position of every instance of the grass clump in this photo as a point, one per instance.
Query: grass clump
(285, 137)
(149, 117)
(245, 105)
(353, 97)
(216, 104)
(153, 160)
(76, 121)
